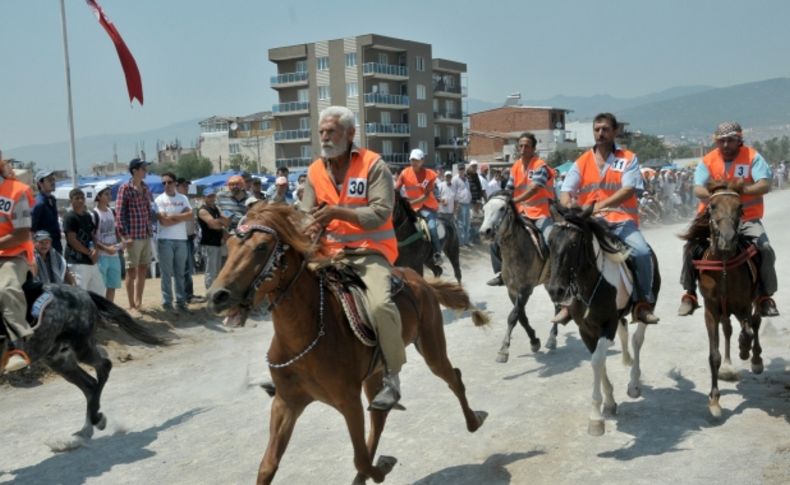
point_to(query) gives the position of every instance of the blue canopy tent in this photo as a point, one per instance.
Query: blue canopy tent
(214, 181)
(564, 167)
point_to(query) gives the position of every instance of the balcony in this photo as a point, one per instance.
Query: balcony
(291, 108)
(387, 129)
(450, 143)
(385, 71)
(386, 100)
(398, 158)
(448, 117)
(293, 162)
(289, 79)
(292, 136)
(447, 90)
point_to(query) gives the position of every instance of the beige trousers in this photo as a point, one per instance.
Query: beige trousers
(13, 272)
(374, 270)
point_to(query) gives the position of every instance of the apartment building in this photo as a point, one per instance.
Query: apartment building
(250, 137)
(402, 97)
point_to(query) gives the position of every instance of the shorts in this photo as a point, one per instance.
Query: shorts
(138, 253)
(87, 277)
(110, 269)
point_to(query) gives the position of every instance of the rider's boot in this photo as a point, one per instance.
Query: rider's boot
(15, 358)
(496, 280)
(563, 316)
(389, 395)
(643, 312)
(688, 303)
(767, 307)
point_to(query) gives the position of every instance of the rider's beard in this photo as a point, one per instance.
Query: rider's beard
(333, 150)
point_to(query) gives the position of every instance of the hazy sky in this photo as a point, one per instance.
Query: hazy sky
(198, 58)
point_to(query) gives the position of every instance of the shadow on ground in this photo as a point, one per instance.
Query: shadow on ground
(564, 359)
(491, 472)
(97, 457)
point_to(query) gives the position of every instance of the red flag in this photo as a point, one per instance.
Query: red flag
(133, 82)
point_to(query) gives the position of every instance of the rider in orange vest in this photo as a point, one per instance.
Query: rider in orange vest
(730, 160)
(16, 258)
(532, 183)
(417, 184)
(350, 192)
(607, 177)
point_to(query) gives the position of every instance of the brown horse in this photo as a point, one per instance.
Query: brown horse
(728, 282)
(314, 354)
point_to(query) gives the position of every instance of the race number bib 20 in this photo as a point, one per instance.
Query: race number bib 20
(6, 205)
(357, 187)
(741, 171)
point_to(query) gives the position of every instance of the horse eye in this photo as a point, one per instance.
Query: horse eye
(713, 207)
(261, 247)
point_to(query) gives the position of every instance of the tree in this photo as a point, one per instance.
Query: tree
(647, 147)
(160, 168)
(191, 166)
(243, 163)
(682, 151)
(558, 157)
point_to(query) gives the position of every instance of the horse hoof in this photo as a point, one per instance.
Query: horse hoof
(481, 418)
(535, 345)
(596, 427)
(757, 368)
(502, 357)
(715, 410)
(102, 423)
(728, 374)
(551, 343)
(610, 410)
(634, 392)
(386, 463)
(359, 480)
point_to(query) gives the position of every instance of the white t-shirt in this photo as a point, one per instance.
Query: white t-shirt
(446, 198)
(165, 204)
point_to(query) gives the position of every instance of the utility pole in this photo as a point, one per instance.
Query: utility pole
(72, 150)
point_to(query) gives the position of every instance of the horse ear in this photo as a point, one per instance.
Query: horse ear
(557, 210)
(587, 212)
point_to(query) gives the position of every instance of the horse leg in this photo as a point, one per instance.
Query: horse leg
(64, 362)
(727, 371)
(609, 405)
(524, 320)
(90, 354)
(452, 250)
(757, 350)
(351, 409)
(622, 332)
(504, 350)
(745, 338)
(634, 389)
(551, 342)
(372, 386)
(596, 424)
(281, 425)
(714, 360)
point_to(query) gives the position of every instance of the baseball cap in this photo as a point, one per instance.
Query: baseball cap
(246, 176)
(473, 162)
(281, 181)
(448, 172)
(728, 129)
(98, 190)
(250, 201)
(136, 163)
(209, 192)
(41, 235)
(42, 174)
(182, 180)
(416, 154)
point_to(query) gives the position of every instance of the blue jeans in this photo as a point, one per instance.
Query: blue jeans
(172, 255)
(629, 233)
(190, 269)
(463, 223)
(430, 217)
(544, 225)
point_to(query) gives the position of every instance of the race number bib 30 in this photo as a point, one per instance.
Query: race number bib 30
(6, 205)
(741, 171)
(357, 187)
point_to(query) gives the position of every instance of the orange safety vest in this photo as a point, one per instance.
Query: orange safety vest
(10, 191)
(415, 187)
(536, 206)
(741, 167)
(354, 193)
(594, 188)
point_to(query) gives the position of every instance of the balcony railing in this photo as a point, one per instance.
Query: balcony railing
(448, 115)
(289, 78)
(385, 69)
(386, 128)
(291, 106)
(292, 162)
(451, 142)
(395, 157)
(441, 87)
(291, 135)
(391, 99)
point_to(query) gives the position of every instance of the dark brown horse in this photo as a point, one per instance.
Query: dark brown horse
(728, 282)
(314, 355)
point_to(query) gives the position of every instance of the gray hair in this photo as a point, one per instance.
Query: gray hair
(345, 117)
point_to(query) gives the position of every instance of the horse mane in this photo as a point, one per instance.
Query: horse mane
(288, 222)
(699, 229)
(402, 204)
(598, 227)
(508, 219)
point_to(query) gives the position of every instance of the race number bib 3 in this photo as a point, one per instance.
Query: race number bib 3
(741, 171)
(357, 187)
(6, 205)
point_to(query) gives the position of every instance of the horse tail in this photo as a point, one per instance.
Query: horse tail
(111, 312)
(453, 295)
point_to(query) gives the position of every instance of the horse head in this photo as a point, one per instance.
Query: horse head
(724, 211)
(258, 258)
(494, 212)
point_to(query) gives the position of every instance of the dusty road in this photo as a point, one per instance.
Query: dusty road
(192, 414)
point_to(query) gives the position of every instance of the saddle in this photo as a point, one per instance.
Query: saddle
(349, 289)
(537, 237)
(37, 299)
(422, 227)
(747, 253)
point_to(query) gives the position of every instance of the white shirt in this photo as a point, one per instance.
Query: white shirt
(446, 198)
(493, 187)
(463, 195)
(165, 204)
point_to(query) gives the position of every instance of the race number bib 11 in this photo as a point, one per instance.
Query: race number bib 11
(618, 165)
(6, 205)
(741, 171)
(357, 187)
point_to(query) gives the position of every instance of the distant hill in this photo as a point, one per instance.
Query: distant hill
(99, 149)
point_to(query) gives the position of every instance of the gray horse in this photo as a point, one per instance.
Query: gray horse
(65, 336)
(522, 266)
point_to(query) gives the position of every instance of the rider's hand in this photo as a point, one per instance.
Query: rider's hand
(325, 214)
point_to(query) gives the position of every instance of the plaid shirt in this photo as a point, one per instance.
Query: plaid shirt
(133, 211)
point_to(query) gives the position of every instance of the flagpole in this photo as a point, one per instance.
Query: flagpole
(68, 97)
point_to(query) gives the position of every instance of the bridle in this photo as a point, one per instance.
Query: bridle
(581, 259)
(508, 201)
(714, 225)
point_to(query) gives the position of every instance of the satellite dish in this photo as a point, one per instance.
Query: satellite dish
(558, 125)
(557, 133)
(234, 126)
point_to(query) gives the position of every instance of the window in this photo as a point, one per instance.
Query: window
(437, 132)
(383, 58)
(422, 120)
(323, 63)
(351, 59)
(419, 62)
(304, 123)
(385, 117)
(352, 90)
(435, 105)
(234, 149)
(421, 91)
(303, 95)
(266, 125)
(423, 145)
(384, 88)
(386, 147)
(245, 126)
(323, 92)
(307, 151)
(451, 132)
(449, 106)
(301, 66)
